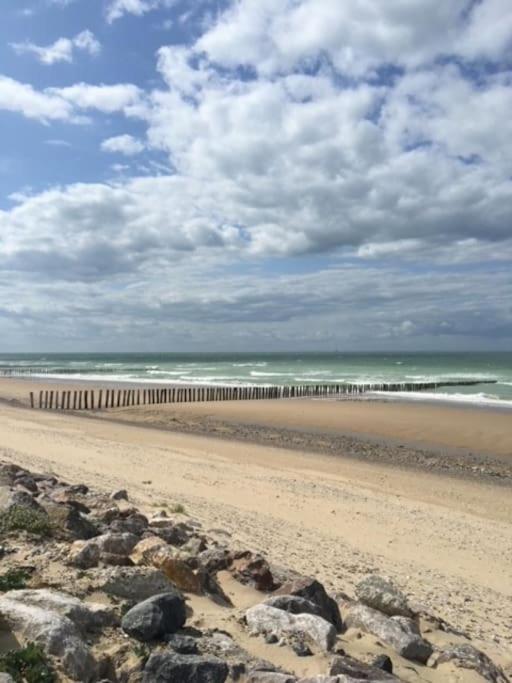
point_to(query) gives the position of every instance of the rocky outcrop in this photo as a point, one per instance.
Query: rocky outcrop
(465, 656)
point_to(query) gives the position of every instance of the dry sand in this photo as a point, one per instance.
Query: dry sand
(447, 541)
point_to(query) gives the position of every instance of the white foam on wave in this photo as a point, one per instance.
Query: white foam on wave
(473, 399)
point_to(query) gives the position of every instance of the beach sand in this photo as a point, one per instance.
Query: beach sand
(447, 540)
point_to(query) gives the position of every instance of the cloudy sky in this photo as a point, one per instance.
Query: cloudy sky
(255, 174)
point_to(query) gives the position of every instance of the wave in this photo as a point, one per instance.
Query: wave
(473, 399)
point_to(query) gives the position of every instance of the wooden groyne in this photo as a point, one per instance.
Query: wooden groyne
(103, 399)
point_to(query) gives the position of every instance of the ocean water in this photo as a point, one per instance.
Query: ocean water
(288, 368)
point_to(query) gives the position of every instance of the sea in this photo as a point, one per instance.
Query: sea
(242, 369)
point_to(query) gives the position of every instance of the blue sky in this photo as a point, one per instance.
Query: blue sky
(258, 174)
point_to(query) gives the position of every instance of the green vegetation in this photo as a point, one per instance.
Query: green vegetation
(20, 518)
(142, 652)
(178, 508)
(28, 665)
(14, 579)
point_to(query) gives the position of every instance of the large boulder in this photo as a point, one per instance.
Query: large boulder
(178, 570)
(68, 522)
(146, 549)
(38, 621)
(352, 669)
(170, 667)
(400, 633)
(155, 617)
(131, 583)
(465, 656)
(267, 620)
(312, 590)
(381, 594)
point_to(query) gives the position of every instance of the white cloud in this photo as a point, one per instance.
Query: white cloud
(22, 98)
(62, 50)
(118, 8)
(104, 98)
(123, 144)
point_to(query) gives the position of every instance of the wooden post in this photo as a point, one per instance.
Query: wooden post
(100, 399)
(51, 400)
(92, 400)
(31, 399)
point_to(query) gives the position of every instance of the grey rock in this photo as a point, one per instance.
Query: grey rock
(116, 543)
(56, 634)
(466, 656)
(400, 633)
(27, 482)
(120, 494)
(264, 619)
(384, 663)
(155, 617)
(68, 521)
(270, 677)
(24, 499)
(184, 645)
(84, 554)
(86, 616)
(215, 559)
(134, 523)
(351, 669)
(5, 678)
(132, 583)
(381, 594)
(312, 590)
(176, 668)
(294, 604)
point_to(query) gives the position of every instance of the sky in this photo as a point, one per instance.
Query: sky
(255, 175)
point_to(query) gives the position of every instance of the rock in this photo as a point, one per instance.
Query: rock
(252, 569)
(264, 619)
(83, 554)
(120, 494)
(384, 663)
(69, 522)
(132, 583)
(155, 617)
(5, 678)
(351, 669)
(300, 648)
(400, 633)
(56, 634)
(27, 482)
(466, 656)
(134, 523)
(176, 668)
(63, 497)
(116, 543)
(178, 571)
(24, 499)
(77, 489)
(174, 533)
(270, 677)
(294, 604)
(88, 616)
(215, 559)
(312, 590)
(145, 550)
(184, 645)
(381, 594)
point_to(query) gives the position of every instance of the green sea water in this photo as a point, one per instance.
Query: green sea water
(288, 368)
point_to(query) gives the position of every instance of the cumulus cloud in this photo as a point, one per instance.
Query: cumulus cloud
(62, 50)
(123, 144)
(370, 136)
(118, 8)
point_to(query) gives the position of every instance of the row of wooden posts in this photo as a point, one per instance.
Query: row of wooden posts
(121, 398)
(90, 399)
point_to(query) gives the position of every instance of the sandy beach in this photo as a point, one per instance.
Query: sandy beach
(337, 518)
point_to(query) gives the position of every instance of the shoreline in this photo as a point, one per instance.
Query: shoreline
(499, 405)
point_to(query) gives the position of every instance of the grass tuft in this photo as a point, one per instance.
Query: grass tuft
(13, 580)
(28, 665)
(178, 508)
(20, 518)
